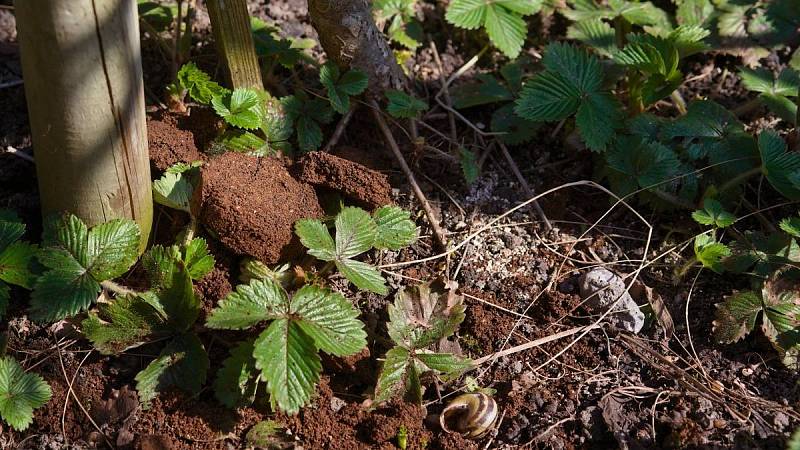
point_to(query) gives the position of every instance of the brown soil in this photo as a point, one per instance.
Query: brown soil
(250, 204)
(169, 144)
(366, 187)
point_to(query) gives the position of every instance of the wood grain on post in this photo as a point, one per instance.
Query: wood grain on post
(82, 68)
(230, 22)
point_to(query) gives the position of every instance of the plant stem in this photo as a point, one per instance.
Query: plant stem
(667, 197)
(191, 229)
(438, 233)
(679, 102)
(116, 288)
(681, 272)
(738, 179)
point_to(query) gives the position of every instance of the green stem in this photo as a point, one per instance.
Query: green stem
(679, 102)
(738, 179)
(681, 272)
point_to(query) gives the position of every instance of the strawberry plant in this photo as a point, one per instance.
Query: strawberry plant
(175, 188)
(404, 105)
(20, 394)
(272, 49)
(16, 257)
(286, 354)
(77, 260)
(341, 86)
(775, 93)
(420, 318)
(403, 26)
(357, 232)
(503, 20)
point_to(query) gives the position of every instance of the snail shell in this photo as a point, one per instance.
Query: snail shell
(471, 415)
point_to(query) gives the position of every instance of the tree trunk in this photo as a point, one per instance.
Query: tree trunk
(230, 22)
(351, 39)
(83, 82)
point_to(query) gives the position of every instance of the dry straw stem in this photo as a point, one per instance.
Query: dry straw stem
(438, 233)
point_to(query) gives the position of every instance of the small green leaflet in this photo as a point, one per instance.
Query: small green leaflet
(502, 19)
(402, 105)
(403, 26)
(127, 322)
(173, 190)
(20, 394)
(710, 253)
(272, 47)
(635, 163)
(286, 353)
(637, 13)
(395, 229)
(183, 363)
(596, 34)
(15, 258)
(341, 87)
(236, 380)
(774, 92)
(714, 214)
(791, 225)
(78, 259)
(159, 17)
(198, 84)
(307, 115)
(240, 108)
(780, 167)
(469, 165)
(572, 84)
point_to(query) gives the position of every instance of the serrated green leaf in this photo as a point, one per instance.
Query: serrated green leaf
(314, 235)
(160, 263)
(693, 12)
(597, 119)
(395, 229)
(15, 264)
(182, 167)
(446, 364)
(239, 108)
(736, 316)
(710, 253)
(197, 260)
(173, 191)
(781, 298)
(235, 384)
(391, 380)
(10, 232)
(245, 142)
(713, 213)
(641, 164)
(506, 30)
(113, 248)
(353, 82)
(549, 96)
(125, 323)
(288, 360)
(791, 225)
(183, 363)
(469, 164)
(355, 232)
(198, 84)
(271, 46)
(469, 14)
(363, 275)
(486, 90)
(250, 304)
(404, 105)
(781, 106)
(423, 314)
(596, 34)
(64, 291)
(180, 304)
(781, 168)
(329, 319)
(307, 115)
(20, 394)
(309, 134)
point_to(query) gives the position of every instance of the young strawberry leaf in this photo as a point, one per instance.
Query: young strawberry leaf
(15, 260)
(271, 47)
(402, 105)
(572, 83)
(173, 190)
(341, 87)
(596, 34)
(637, 13)
(713, 213)
(420, 317)
(780, 167)
(469, 163)
(249, 305)
(774, 92)
(236, 381)
(329, 319)
(79, 259)
(395, 229)
(20, 393)
(403, 26)
(127, 322)
(183, 363)
(198, 84)
(736, 316)
(503, 20)
(239, 108)
(197, 260)
(791, 225)
(635, 163)
(307, 115)
(710, 253)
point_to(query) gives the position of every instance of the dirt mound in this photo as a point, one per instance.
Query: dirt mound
(365, 186)
(251, 204)
(169, 144)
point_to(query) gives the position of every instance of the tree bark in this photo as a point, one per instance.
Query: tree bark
(83, 82)
(351, 39)
(230, 22)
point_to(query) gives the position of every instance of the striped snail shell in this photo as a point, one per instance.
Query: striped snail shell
(471, 415)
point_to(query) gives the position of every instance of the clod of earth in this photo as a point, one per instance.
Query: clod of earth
(602, 289)
(367, 187)
(169, 145)
(251, 204)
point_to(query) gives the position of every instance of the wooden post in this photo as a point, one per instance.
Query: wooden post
(82, 68)
(231, 24)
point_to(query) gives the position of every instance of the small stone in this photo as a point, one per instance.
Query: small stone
(602, 289)
(337, 404)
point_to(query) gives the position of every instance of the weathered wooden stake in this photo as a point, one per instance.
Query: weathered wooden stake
(82, 68)
(231, 24)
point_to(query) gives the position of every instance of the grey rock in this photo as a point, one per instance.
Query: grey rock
(601, 290)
